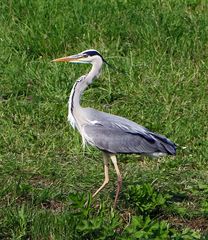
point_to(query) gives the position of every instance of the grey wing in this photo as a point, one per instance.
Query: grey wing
(117, 134)
(118, 139)
(110, 120)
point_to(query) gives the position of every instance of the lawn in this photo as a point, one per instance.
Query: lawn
(46, 177)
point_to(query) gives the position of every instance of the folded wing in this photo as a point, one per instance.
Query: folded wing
(116, 137)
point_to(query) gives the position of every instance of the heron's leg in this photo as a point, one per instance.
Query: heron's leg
(119, 178)
(106, 180)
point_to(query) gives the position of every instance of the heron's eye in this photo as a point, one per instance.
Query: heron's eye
(85, 55)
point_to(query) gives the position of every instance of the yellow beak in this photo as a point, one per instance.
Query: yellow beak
(74, 58)
(64, 59)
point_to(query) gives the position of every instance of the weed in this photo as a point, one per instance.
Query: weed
(144, 199)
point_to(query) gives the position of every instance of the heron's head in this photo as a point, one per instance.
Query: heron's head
(87, 56)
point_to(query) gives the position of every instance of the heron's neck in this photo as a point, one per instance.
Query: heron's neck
(80, 85)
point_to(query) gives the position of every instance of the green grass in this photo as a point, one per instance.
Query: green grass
(163, 48)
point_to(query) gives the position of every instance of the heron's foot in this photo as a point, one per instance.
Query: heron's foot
(106, 181)
(119, 185)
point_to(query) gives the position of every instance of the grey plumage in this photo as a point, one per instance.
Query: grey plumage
(109, 133)
(119, 135)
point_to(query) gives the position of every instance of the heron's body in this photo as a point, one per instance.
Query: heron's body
(119, 135)
(110, 133)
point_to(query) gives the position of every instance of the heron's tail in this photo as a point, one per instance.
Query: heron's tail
(169, 147)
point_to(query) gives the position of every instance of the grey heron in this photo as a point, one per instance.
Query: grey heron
(110, 133)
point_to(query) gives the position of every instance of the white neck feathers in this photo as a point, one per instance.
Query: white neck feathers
(80, 85)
